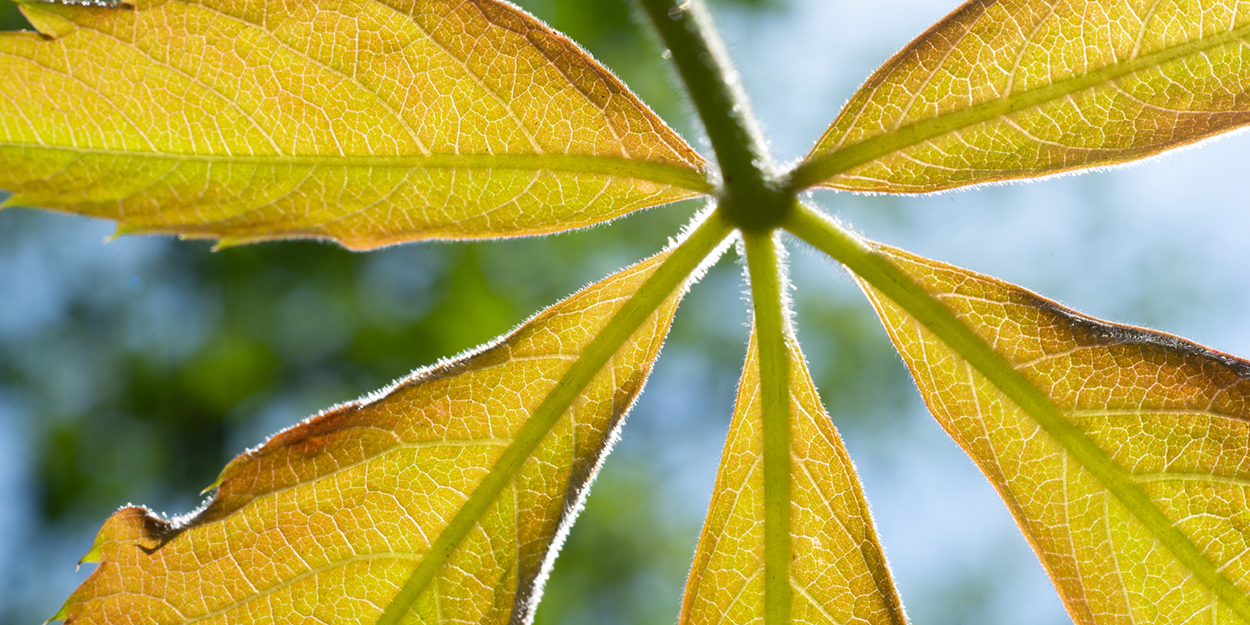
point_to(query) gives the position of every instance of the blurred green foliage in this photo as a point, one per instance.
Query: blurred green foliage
(11, 18)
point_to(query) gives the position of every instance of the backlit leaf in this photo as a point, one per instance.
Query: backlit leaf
(1022, 88)
(838, 572)
(437, 500)
(364, 121)
(1121, 452)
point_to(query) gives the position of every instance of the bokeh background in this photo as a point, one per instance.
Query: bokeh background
(131, 371)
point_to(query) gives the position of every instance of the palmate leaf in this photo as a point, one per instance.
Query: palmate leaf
(363, 121)
(1012, 89)
(1122, 452)
(438, 500)
(838, 572)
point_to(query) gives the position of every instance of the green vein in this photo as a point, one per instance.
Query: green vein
(684, 259)
(884, 276)
(767, 296)
(661, 173)
(821, 168)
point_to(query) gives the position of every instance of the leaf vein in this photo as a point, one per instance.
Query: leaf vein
(266, 133)
(304, 55)
(121, 113)
(799, 585)
(1024, 48)
(329, 566)
(479, 80)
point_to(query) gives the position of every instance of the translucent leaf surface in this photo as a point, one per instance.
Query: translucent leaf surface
(1121, 452)
(363, 121)
(838, 571)
(1021, 88)
(437, 500)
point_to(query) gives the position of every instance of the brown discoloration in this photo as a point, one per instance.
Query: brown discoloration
(591, 80)
(158, 531)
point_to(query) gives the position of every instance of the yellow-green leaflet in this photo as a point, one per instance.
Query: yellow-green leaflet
(1121, 452)
(363, 121)
(838, 572)
(1009, 89)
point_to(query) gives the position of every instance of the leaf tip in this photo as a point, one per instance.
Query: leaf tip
(129, 229)
(237, 240)
(132, 525)
(216, 483)
(117, 234)
(13, 201)
(229, 242)
(126, 229)
(94, 554)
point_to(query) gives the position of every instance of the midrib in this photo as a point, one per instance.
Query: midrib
(650, 171)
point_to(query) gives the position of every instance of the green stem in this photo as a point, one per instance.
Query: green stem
(766, 269)
(751, 195)
(669, 277)
(877, 270)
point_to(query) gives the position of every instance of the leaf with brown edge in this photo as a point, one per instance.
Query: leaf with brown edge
(1121, 452)
(838, 572)
(1010, 89)
(367, 122)
(436, 500)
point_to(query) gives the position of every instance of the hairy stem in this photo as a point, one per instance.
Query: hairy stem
(751, 196)
(767, 283)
